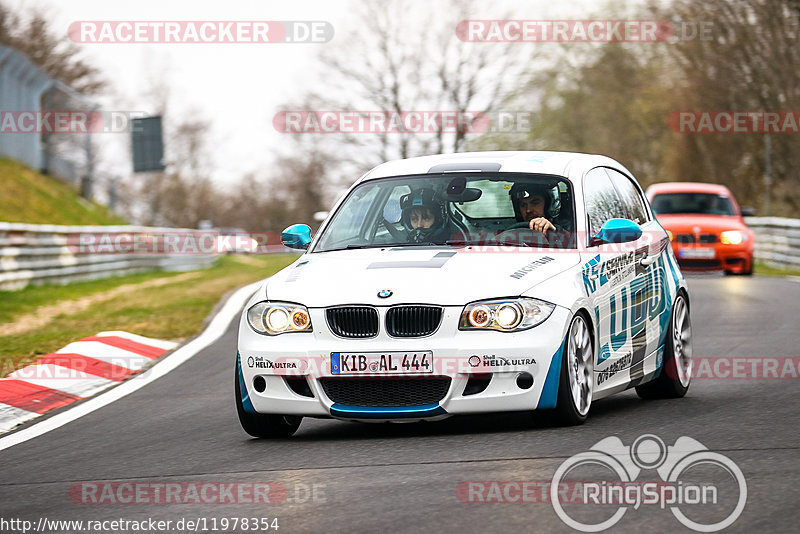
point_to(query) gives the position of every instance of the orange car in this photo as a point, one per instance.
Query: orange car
(705, 225)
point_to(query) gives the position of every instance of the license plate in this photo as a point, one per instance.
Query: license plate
(382, 363)
(697, 253)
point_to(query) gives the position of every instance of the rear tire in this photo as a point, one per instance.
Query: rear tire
(676, 372)
(576, 384)
(261, 425)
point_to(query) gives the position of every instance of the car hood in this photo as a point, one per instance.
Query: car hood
(686, 223)
(434, 275)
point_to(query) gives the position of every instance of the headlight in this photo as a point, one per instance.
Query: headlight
(506, 315)
(732, 237)
(273, 318)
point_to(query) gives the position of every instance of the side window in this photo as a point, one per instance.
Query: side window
(602, 201)
(350, 219)
(631, 199)
(391, 210)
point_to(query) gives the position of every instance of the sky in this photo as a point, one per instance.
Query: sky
(237, 87)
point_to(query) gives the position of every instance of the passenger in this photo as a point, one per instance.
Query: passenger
(425, 217)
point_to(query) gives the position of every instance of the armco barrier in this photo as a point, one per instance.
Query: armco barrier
(777, 240)
(37, 254)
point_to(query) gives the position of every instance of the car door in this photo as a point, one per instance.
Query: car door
(608, 272)
(648, 290)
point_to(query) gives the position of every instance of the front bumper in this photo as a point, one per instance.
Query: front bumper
(737, 258)
(279, 363)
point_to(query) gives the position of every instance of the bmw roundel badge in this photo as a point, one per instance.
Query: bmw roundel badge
(384, 293)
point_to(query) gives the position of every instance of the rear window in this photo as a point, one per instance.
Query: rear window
(696, 203)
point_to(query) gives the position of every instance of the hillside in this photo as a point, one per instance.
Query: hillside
(28, 196)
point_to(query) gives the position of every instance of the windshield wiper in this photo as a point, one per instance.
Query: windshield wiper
(351, 247)
(422, 244)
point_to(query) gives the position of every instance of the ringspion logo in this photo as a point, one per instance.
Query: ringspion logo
(697, 504)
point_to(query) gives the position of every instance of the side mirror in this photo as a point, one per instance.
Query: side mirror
(618, 231)
(296, 236)
(748, 212)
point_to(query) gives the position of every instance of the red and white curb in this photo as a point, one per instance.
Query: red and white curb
(79, 370)
(216, 327)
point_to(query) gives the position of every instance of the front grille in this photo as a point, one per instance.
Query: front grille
(353, 321)
(684, 238)
(700, 264)
(707, 238)
(413, 321)
(386, 391)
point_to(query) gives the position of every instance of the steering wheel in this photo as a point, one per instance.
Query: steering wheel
(518, 230)
(519, 226)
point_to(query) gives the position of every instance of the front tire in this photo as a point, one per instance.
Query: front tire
(676, 373)
(744, 272)
(261, 425)
(576, 384)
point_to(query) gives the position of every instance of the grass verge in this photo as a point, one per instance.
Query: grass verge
(30, 197)
(766, 270)
(173, 310)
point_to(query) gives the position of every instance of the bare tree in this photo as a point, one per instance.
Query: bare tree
(396, 60)
(58, 57)
(748, 65)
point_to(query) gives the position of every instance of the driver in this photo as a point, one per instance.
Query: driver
(532, 204)
(424, 216)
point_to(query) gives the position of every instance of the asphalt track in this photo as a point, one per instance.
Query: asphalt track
(351, 477)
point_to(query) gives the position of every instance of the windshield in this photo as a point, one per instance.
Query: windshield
(453, 209)
(701, 203)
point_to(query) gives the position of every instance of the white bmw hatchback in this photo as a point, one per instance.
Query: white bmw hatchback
(468, 283)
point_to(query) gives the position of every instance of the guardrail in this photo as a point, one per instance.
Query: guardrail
(777, 240)
(37, 254)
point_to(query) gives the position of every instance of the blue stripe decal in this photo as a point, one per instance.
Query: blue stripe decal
(549, 396)
(247, 405)
(383, 412)
(663, 321)
(659, 361)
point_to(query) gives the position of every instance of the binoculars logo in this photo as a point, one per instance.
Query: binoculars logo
(676, 466)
